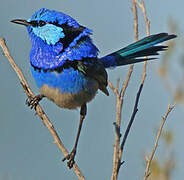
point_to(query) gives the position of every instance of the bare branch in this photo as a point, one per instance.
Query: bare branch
(131, 121)
(134, 8)
(149, 159)
(147, 22)
(39, 110)
(126, 82)
(119, 103)
(115, 90)
(142, 7)
(117, 138)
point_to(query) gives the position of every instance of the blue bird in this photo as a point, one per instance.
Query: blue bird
(65, 63)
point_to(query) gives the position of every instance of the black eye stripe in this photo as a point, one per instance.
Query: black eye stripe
(34, 23)
(41, 23)
(38, 23)
(70, 33)
(68, 28)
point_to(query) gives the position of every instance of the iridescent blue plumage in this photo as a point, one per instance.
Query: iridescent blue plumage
(65, 64)
(48, 43)
(133, 52)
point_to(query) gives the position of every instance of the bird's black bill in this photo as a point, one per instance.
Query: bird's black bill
(21, 21)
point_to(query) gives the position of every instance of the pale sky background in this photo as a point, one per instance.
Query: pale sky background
(27, 151)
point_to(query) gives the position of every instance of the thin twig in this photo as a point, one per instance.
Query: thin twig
(115, 90)
(149, 160)
(147, 22)
(131, 121)
(39, 110)
(117, 136)
(119, 103)
(134, 10)
(142, 7)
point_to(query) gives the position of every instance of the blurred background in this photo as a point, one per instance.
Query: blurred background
(27, 150)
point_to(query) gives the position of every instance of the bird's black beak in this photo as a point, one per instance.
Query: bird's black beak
(21, 21)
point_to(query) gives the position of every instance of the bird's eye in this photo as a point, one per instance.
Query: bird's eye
(34, 23)
(41, 23)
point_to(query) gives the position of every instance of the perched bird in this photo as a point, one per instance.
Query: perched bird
(65, 63)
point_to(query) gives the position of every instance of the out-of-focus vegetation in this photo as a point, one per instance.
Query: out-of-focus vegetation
(162, 168)
(171, 69)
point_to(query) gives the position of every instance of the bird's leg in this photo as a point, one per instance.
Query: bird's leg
(33, 101)
(70, 157)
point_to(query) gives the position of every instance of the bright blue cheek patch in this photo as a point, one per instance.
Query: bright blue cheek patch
(49, 33)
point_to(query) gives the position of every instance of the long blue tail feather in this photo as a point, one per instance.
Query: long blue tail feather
(133, 52)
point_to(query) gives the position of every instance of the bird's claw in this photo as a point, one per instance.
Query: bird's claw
(33, 101)
(70, 157)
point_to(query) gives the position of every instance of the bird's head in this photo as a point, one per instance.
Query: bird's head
(53, 26)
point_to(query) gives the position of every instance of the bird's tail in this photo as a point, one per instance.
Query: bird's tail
(135, 52)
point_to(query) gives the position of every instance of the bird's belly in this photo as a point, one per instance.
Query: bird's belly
(68, 100)
(68, 89)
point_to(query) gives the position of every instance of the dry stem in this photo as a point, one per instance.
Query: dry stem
(118, 150)
(119, 103)
(149, 159)
(147, 22)
(39, 110)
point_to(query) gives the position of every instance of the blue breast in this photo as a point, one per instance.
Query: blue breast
(67, 81)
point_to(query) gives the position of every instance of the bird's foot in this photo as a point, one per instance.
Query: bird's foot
(70, 157)
(33, 101)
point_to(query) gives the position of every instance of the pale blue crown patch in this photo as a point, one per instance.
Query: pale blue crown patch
(49, 33)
